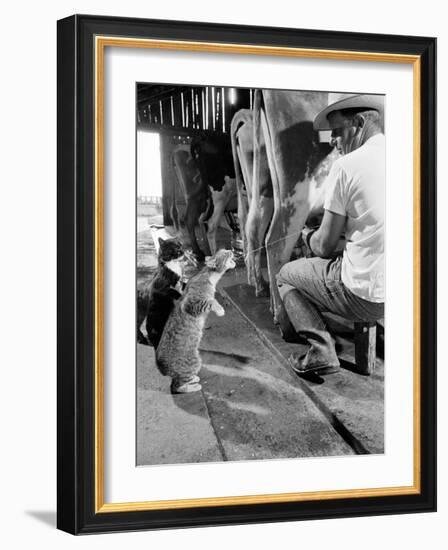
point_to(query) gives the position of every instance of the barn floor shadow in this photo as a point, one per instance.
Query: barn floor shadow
(356, 401)
(256, 409)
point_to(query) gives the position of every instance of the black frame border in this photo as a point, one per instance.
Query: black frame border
(76, 261)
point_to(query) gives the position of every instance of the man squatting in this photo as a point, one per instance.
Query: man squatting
(351, 286)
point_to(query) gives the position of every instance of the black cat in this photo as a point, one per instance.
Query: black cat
(155, 299)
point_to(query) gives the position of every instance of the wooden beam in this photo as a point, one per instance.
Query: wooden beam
(365, 347)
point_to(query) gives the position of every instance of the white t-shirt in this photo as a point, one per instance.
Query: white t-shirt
(356, 188)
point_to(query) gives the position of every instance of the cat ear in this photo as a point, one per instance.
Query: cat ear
(210, 261)
(161, 241)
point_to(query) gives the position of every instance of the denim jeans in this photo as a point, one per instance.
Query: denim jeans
(318, 287)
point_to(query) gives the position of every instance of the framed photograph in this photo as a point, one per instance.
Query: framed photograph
(246, 274)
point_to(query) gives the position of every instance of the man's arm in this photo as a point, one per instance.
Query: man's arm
(315, 216)
(323, 242)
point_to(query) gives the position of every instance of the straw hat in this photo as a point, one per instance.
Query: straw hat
(361, 102)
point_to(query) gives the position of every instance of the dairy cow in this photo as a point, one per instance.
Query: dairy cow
(206, 177)
(193, 191)
(283, 139)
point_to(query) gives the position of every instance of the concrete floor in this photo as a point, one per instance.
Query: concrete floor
(252, 406)
(353, 403)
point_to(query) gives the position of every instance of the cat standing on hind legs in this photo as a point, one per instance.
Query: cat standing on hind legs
(178, 351)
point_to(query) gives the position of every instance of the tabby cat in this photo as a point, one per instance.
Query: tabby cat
(155, 299)
(178, 352)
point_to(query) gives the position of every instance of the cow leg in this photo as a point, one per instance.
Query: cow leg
(203, 227)
(243, 198)
(266, 209)
(290, 210)
(274, 233)
(278, 252)
(260, 209)
(192, 214)
(220, 199)
(279, 246)
(241, 181)
(258, 221)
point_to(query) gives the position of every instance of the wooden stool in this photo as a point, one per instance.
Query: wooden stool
(365, 347)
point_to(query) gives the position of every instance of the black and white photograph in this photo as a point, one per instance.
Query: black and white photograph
(224, 222)
(260, 276)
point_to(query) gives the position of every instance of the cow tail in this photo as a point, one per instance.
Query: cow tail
(234, 127)
(174, 212)
(195, 152)
(256, 140)
(241, 188)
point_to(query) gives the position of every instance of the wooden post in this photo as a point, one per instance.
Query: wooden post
(187, 114)
(178, 114)
(193, 108)
(218, 110)
(211, 114)
(365, 347)
(182, 108)
(204, 112)
(198, 108)
(227, 110)
(161, 112)
(167, 178)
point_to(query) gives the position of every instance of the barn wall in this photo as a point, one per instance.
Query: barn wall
(192, 108)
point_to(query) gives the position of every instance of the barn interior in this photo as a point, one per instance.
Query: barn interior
(169, 116)
(252, 405)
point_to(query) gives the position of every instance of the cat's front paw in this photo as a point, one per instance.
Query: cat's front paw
(219, 310)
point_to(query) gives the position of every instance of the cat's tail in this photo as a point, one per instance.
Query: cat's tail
(161, 363)
(213, 354)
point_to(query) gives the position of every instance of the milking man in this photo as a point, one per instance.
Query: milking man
(351, 285)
